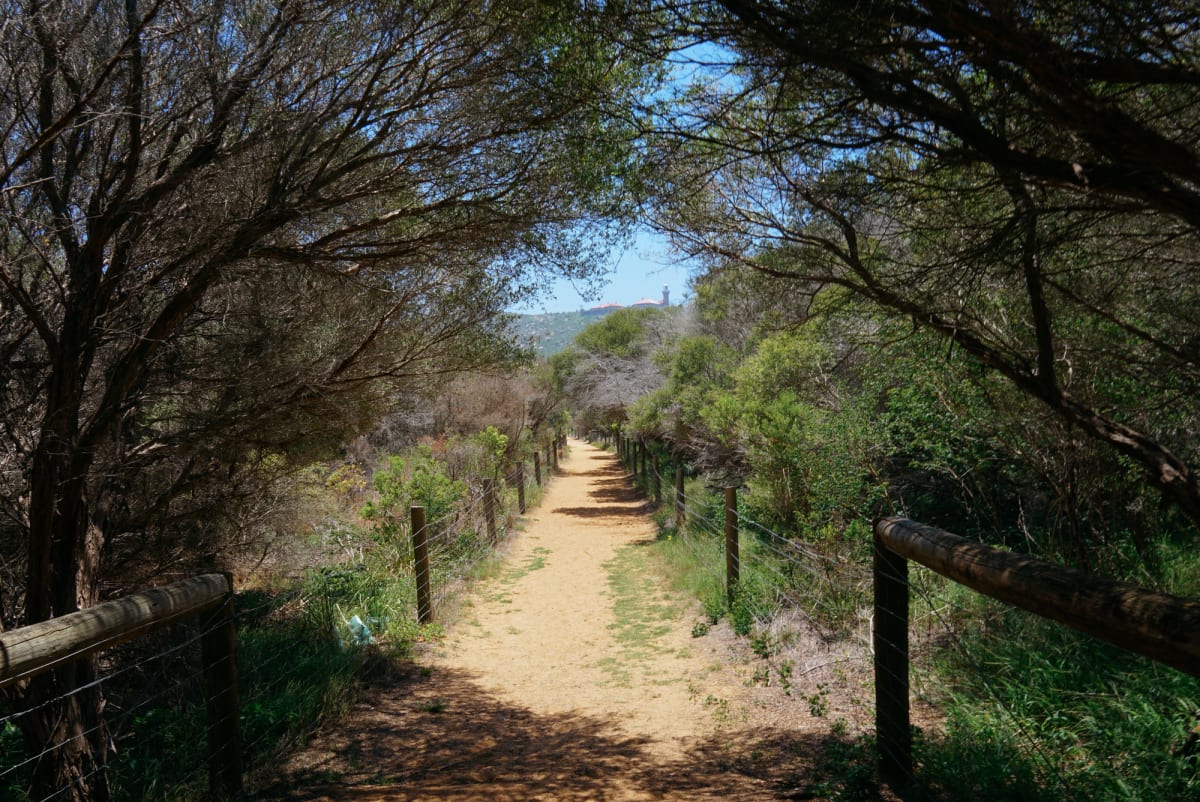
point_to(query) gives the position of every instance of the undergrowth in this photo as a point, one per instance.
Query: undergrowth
(1036, 711)
(299, 661)
(1030, 710)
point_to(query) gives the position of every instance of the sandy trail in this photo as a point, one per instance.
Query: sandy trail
(572, 675)
(549, 637)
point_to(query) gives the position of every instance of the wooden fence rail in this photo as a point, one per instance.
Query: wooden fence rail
(1157, 625)
(41, 647)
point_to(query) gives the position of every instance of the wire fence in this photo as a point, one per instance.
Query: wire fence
(150, 742)
(956, 643)
(79, 742)
(146, 704)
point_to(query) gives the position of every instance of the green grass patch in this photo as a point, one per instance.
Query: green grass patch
(1036, 711)
(642, 614)
(514, 574)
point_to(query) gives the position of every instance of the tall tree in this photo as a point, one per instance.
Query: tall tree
(1020, 177)
(230, 229)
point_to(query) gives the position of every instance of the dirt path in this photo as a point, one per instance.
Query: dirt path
(575, 675)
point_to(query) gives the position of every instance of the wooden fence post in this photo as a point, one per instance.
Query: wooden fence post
(893, 735)
(420, 541)
(218, 653)
(537, 468)
(521, 488)
(655, 480)
(489, 509)
(732, 557)
(679, 499)
(33, 649)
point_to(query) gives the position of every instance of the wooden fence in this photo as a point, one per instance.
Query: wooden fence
(31, 650)
(1157, 625)
(41, 647)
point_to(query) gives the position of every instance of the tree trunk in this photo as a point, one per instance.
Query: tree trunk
(67, 732)
(65, 727)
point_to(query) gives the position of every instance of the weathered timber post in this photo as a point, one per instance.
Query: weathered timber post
(218, 653)
(33, 649)
(489, 509)
(645, 457)
(655, 480)
(420, 542)
(679, 499)
(537, 468)
(1157, 625)
(521, 488)
(893, 735)
(732, 557)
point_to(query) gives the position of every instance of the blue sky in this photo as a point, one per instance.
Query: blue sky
(639, 270)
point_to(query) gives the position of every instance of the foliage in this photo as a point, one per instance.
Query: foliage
(924, 160)
(1095, 713)
(233, 234)
(620, 334)
(550, 333)
(419, 479)
(849, 414)
(612, 364)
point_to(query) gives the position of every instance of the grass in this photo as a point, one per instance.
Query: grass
(1036, 711)
(535, 562)
(1032, 711)
(300, 661)
(292, 672)
(642, 613)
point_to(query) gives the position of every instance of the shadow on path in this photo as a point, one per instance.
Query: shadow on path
(440, 735)
(615, 495)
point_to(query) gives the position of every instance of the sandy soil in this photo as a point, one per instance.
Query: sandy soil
(575, 675)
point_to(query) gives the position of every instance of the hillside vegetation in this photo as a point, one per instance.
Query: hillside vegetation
(551, 332)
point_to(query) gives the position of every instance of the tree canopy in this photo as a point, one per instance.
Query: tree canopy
(1017, 177)
(232, 231)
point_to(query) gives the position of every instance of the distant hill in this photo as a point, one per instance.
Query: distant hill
(551, 332)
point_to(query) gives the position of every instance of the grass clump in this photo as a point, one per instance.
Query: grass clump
(1036, 711)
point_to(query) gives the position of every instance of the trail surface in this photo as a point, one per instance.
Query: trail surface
(575, 675)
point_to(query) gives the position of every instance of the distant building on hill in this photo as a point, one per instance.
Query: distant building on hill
(645, 303)
(602, 309)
